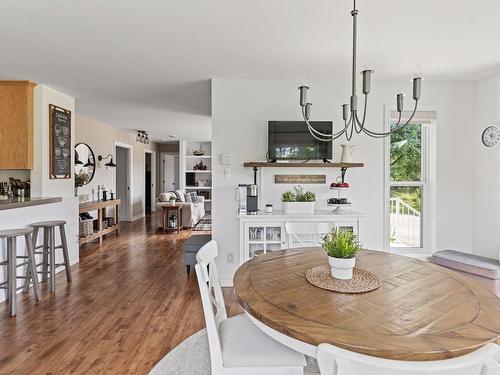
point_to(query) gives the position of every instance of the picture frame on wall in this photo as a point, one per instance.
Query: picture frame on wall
(60, 150)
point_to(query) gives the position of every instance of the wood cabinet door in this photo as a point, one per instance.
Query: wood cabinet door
(16, 124)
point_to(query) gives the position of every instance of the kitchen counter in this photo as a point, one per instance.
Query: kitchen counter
(26, 202)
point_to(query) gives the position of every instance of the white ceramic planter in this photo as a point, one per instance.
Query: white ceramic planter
(341, 268)
(298, 207)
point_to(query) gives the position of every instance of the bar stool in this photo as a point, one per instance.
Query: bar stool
(49, 250)
(11, 283)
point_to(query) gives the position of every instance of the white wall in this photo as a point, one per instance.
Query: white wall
(41, 184)
(101, 138)
(241, 109)
(486, 177)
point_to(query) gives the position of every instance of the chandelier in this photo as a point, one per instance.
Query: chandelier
(142, 137)
(352, 121)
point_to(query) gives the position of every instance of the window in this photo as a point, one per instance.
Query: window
(410, 163)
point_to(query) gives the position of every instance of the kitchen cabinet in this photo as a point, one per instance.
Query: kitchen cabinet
(16, 124)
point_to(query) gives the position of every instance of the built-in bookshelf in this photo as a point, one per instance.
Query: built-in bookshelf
(197, 169)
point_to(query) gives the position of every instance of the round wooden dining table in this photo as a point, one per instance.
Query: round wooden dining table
(420, 312)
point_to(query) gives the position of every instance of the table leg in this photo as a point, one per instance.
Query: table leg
(117, 219)
(164, 221)
(180, 221)
(99, 223)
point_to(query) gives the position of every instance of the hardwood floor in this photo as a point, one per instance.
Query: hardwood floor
(130, 303)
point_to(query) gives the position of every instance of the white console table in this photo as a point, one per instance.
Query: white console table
(266, 232)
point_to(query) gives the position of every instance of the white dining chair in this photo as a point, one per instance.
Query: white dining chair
(237, 346)
(306, 234)
(333, 360)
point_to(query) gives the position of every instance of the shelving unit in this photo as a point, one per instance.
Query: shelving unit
(198, 180)
(100, 207)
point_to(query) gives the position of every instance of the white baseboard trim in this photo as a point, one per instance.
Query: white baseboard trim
(136, 217)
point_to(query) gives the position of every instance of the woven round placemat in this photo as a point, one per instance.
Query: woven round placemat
(362, 280)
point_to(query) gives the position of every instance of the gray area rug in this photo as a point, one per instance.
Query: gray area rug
(192, 357)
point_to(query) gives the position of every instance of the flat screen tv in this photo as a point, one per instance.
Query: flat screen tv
(291, 140)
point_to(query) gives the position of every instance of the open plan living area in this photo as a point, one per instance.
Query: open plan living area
(281, 187)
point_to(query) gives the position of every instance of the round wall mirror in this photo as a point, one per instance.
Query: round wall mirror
(84, 163)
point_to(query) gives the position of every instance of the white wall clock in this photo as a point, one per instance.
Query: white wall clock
(491, 136)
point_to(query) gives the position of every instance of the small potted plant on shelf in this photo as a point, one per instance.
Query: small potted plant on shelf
(341, 245)
(80, 180)
(172, 200)
(298, 202)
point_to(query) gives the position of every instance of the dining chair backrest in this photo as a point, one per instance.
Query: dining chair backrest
(306, 234)
(337, 361)
(212, 300)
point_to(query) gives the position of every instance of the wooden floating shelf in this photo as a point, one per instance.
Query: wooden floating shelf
(263, 164)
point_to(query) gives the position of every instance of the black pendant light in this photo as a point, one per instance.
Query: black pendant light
(88, 163)
(77, 159)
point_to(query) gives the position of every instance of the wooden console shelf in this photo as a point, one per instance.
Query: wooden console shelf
(100, 207)
(263, 164)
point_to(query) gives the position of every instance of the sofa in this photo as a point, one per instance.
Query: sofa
(192, 212)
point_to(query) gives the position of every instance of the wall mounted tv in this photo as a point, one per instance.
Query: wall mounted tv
(291, 140)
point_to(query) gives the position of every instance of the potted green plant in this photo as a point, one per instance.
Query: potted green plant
(80, 180)
(341, 245)
(172, 200)
(298, 201)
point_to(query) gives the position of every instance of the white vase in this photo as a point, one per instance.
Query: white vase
(346, 156)
(298, 207)
(341, 268)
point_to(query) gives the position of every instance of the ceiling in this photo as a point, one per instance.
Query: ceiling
(147, 64)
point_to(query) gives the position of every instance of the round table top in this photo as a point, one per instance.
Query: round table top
(420, 312)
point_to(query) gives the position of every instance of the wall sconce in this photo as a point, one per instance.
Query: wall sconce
(109, 163)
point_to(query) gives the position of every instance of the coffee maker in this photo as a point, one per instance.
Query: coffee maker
(248, 199)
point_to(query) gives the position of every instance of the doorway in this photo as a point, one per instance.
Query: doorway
(147, 183)
(124, 180)
(169, 171)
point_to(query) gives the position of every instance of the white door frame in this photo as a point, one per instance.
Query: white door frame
(429, 225)
(130, 179)
(153, 179)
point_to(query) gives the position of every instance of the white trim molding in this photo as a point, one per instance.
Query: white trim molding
(429, 114)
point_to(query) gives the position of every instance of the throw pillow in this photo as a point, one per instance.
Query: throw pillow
(164, 197)
(180, 194)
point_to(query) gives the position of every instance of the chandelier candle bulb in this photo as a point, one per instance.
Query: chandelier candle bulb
(366, 80)
(345, 111)
(417, 84)
(399, 102)
(303, 95)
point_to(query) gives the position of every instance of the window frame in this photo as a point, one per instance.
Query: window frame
(427, 183)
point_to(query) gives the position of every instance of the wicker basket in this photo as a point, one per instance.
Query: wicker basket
(86, 227)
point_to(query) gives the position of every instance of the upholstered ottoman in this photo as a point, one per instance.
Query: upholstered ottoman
(470, 263)
(191, 247)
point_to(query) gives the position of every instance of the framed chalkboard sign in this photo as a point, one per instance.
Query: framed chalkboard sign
(60, 142)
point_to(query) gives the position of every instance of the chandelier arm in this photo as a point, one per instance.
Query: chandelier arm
(385, 134)
(326, 136)
(362, 124)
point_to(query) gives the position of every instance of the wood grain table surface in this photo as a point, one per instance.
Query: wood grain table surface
(420, 312)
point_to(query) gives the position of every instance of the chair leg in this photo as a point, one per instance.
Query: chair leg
(52, 261)
(32, 270)
(31, 273)
(12, 286)
(188, 268)
(45, 256)
(65, 253)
